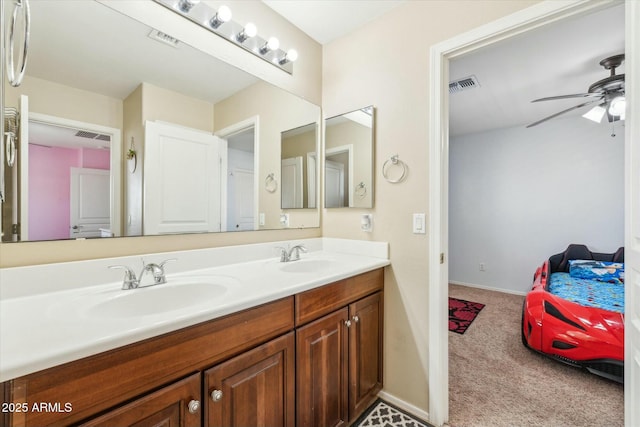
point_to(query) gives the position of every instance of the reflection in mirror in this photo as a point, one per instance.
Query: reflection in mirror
(349, 159)
(78, 71)
(298, 150)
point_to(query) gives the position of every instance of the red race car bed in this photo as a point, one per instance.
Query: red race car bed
(574, 311)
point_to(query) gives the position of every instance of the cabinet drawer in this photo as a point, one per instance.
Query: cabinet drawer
(317, 302)
(99, 382)
(169, 406)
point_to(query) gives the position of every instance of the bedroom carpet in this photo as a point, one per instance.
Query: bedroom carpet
(495, 381)
(462, 313)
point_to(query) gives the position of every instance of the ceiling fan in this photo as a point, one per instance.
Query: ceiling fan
(608, 93)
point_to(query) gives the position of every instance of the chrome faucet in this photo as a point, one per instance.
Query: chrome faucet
(291, 254)
(131, 281)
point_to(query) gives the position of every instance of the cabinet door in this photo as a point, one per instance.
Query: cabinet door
(176, 405)
(254, 389)
(365, 352)
(322, 371)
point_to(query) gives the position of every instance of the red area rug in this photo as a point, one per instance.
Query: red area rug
(462, 313)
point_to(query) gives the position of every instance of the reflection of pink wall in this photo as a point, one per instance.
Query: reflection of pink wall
(49, 187)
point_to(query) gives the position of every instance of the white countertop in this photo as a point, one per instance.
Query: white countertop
(56, 322)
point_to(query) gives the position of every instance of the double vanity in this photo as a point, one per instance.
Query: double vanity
(237, 336)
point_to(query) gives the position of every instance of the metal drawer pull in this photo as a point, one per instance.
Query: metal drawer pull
(216, 395)
(194, 406)
(356, 319)
(347, 323)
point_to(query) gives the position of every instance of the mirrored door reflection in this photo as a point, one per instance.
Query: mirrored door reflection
(298, 152)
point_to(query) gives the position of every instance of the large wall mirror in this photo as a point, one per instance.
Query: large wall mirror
(349, 159)
(124, 131)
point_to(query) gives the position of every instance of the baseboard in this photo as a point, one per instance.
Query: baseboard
(488, 288)
(405, 406)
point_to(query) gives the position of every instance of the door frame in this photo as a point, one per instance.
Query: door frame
(440, 54)
(115, 166)
(225, 133)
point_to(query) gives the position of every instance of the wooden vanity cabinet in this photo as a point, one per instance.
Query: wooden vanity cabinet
(255, 388)
(313, 359)
(175, 405)
(339, 355)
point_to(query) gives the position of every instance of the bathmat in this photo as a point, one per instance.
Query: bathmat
(462, 313)
(383, 414)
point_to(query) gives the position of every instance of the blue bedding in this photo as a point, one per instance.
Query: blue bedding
(588, 293)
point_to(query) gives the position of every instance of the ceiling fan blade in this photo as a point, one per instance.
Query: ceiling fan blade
(575, 95)
(564, 111)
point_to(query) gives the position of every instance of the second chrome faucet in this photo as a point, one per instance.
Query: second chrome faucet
(131, 281)
(291, 254)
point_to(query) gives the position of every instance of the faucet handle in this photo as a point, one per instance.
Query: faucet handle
(284, 253)
(130, 280)
(161, 265)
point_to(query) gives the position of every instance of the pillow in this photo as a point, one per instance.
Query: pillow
(602, 271)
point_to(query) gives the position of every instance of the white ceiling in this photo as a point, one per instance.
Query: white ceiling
(326, 20)
(557, 59)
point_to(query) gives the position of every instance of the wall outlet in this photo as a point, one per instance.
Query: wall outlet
(366, 222)
(482, 266)
(284, 220)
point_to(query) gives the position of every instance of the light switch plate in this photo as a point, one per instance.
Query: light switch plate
(419, 223)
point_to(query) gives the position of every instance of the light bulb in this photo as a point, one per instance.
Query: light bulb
(595, 114)
(223, 15)
(617, 106)
(272, 44)
(290, 56)
(248, 31)
(186, 5)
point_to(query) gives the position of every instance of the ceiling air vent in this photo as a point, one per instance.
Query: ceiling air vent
(164, 38)
(86, 134)
(463, 84)
(92, 135)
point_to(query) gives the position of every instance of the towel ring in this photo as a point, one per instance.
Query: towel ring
(15, 78)
(270, 183)
(361, 190)
(388, 164)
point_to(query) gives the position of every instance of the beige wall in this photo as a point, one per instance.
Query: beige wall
(386, 63)
(58, 100)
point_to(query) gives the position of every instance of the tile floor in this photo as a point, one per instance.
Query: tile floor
(383, 414)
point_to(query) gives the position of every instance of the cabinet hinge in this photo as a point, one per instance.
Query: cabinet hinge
(441, 257)
(15, 228)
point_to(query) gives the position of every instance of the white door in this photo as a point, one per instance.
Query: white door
(182, 183)
(243, 214)
(632, 219)
(89, 202)
(291, 183)
(334, 184)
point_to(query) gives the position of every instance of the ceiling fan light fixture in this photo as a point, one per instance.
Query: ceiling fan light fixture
(595, 114)
(617, 106)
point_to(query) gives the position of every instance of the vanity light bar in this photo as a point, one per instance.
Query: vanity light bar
(203, 15)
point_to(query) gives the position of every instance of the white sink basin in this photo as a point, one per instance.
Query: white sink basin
(307, 266)
(157, 299)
